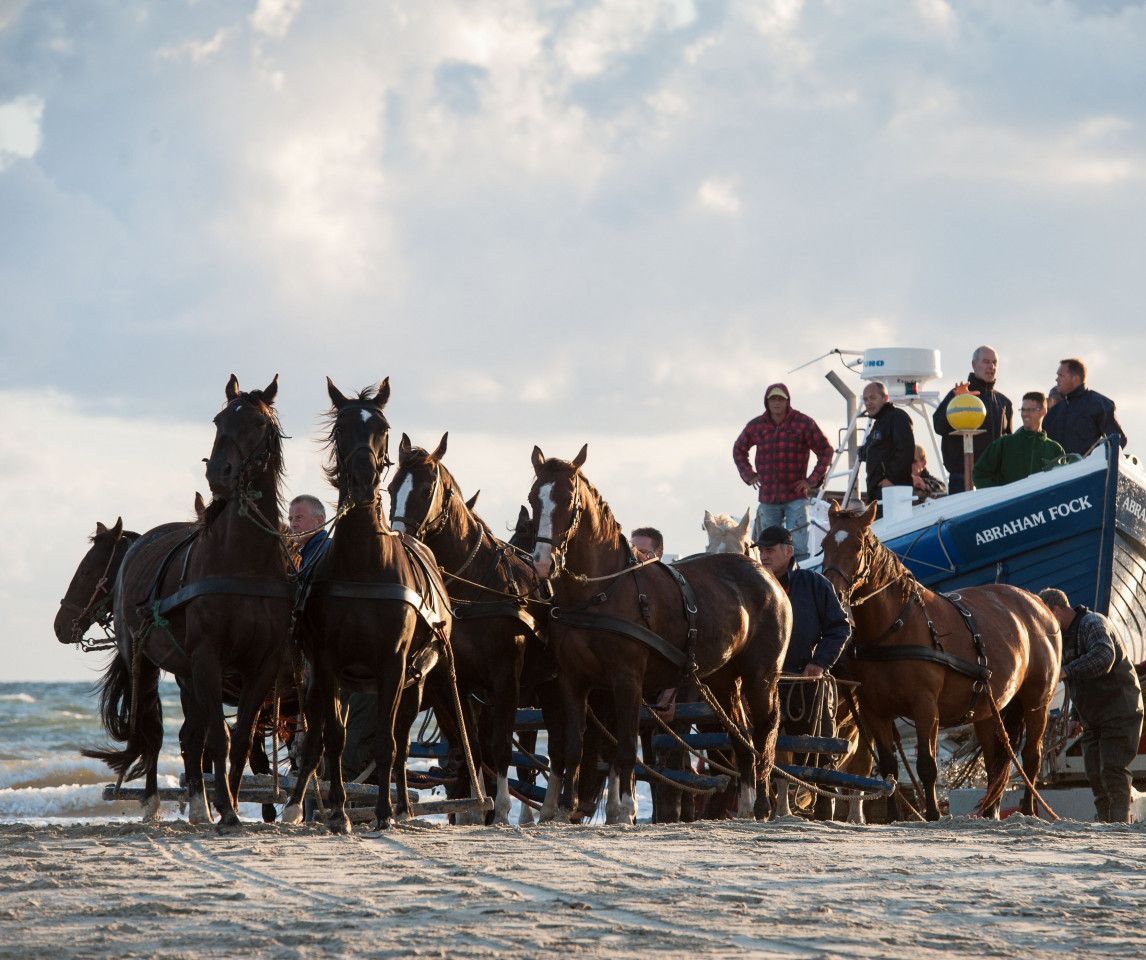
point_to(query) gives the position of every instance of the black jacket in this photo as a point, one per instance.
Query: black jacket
(1000, 420)
(888, 449)
(1081, 418)
(820, 627)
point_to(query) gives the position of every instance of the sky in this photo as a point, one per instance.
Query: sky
(608, 222)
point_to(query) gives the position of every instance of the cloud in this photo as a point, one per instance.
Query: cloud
(717, 195)
(274, 17)
(20, 133)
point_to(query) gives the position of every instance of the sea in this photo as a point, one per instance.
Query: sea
(43, 728)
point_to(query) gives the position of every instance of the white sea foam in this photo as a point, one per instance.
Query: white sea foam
(67, 800)
(48, 772)
(17, 697)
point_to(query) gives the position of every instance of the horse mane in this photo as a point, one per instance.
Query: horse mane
(553, 465)
(422, 456)
(333, 469)
(724, 520)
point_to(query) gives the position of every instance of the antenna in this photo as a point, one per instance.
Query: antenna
(833, 352)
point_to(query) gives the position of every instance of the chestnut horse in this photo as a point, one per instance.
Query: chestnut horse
(493, 594)
(915, 655)
(736, 632)
(376, 619)
(210, 604)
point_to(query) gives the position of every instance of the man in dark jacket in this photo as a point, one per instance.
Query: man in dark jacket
(999, 421)
(1082, 417)
(1104, 688)
(820, 629)
(890, 444)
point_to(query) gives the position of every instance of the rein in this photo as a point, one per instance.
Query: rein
(98, 607)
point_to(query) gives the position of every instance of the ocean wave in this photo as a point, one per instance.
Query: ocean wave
(50, 772)
(17, 697)
(68, 800)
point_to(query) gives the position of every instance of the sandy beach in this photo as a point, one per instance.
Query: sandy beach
(963, 887)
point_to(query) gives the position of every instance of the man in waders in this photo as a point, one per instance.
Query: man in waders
(1104, 687)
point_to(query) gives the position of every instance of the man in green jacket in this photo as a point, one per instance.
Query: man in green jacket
(1104, 686)
(1017, 455)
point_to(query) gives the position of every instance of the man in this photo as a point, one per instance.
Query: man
(820, 630)
(890, 445)
(1020, 454)
(1082, 417)
(925, 485)
(999, 421)
(307, 517)
(1105, 690)
(647, 542)
(783, 439)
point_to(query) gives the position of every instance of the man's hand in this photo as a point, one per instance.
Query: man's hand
(963, 387)
(886, 483)
(665, 707)
(813, 670)
(802, 488)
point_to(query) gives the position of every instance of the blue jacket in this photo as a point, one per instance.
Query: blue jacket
(820, 627)
(312, 550)
(1080, 419)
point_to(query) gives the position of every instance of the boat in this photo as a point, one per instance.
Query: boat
(1079, 525)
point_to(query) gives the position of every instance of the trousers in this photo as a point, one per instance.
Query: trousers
(793, 516)
(1107, 751)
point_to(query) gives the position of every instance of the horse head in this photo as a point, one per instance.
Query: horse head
(248, 441)
(421, 490)
(556, 502)
(359, 437)
(726, 535)
(524, 532)
(88, 596)
(847, 552)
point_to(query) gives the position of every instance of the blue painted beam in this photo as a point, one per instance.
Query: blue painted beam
(530, 719)
(722, 741)
(837, 778)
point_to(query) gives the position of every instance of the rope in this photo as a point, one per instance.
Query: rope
(693, 750)
(536, 760)
(581, 578)
(915, 784)
(475, 780)
(1001, 729)
(655, 774)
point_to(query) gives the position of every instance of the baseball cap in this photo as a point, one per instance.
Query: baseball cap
(774, 536)
(776, 391)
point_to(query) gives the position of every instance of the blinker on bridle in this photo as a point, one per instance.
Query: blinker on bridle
(428, 526)
(381, 464)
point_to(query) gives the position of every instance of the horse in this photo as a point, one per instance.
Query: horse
(499, 624)
(208, 602)
(725, 535)
(376, 616)
(633, 627)
(938, 659)
(87, 601)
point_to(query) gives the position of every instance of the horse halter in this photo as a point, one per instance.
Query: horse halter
(863, 569)
(428, 526)
(380, 464)
(558, 546)
(258, 459)
(98, 606)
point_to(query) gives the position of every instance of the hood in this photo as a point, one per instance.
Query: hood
(782, 386)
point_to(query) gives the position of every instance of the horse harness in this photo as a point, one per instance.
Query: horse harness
(978, 672)
(584, 618)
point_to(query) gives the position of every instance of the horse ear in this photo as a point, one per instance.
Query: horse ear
(440, 451)
(233, 387)
(382, 397)
(745, 523)
(707, 521)
(335, 394)
(100, 528)
(582, 456)
(538, 459)
(523, 517)
(271, 391)
(869, 513)
(404, 448)
(200, 505)
(472, 501)
(833, 508)
(118, 528)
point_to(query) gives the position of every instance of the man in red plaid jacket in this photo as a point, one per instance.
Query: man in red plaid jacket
(783, 439)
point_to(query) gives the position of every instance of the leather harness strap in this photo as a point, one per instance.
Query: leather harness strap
(486, 610)
(958, 664)
(232, 586)
(351, 590)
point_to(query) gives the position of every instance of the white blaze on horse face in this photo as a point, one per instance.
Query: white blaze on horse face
(366, 415)
(840, 537)
(400, 499)
(543, 552)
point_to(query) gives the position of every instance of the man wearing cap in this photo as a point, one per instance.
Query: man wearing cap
(999, 421)
(820, 630)
(784, 438)
(1104, 686)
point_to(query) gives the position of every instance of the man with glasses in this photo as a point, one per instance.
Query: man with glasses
(1020, 454)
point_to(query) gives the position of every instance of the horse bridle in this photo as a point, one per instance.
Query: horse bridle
(260, 456)
(381, 464)
(863, 568)
(559, 545)
(98, 607)
(428, 527)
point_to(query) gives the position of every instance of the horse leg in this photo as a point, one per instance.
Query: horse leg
(574, 700)
(207, 678)
(246, 725)
(761, 691)
(193, 738)
(408, 711)
(503, 713)
(1034, 726)
(389, 704)
(261, 763)
(149, 725)
(883, 730)
(926, 740)
(333, 743)
(553, 714)
(315, 712)
(627, 698)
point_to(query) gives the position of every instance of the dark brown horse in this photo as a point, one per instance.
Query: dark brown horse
(88, 597)
(915, 656)
(209, 603)
(742, 624)
(376, 619)
(493, 589)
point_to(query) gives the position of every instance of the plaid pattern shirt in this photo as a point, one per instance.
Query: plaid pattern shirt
(782, 451)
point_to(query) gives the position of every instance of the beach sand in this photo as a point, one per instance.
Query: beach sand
(962, 887)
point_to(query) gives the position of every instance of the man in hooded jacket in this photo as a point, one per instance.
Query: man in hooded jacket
(784, 438)
(999, 421)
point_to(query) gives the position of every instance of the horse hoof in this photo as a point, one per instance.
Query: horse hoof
(270, 814)
(339, 823)
(379, 825)
(197, 811)
(292, 814)
(228, 823)
(150, 808)
(525, 818)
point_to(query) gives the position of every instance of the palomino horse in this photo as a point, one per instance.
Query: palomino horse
(88, 597)
(928, 657)
(633, 629)
(726, 535)
(209, 603)
(376, 618)
(493, 595)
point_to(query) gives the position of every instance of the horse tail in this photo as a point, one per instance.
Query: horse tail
(141, 734)
(1008, 724)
